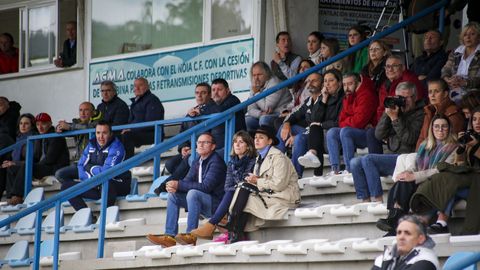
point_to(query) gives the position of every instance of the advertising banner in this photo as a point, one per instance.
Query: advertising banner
(173, 75)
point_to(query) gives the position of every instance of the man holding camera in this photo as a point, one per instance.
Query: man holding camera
(399, 128)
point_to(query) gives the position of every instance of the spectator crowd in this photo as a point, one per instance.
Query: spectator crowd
(419, 123)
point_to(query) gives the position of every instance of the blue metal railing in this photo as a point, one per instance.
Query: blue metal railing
(227, 116)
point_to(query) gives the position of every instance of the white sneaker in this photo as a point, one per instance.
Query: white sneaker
(309, 160)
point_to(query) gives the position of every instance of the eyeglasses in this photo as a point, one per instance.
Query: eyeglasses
(438, 127)
(394, 66)
(204, 142)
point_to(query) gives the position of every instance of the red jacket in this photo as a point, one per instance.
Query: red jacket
(358, 109)
(8, 64)
(407, 76)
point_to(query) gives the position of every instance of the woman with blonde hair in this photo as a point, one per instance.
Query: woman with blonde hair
(462, 70)
(413, 169)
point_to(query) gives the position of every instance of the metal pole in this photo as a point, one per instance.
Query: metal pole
(37, 240)
(103, 215)
(56, 236)
(156, 159)
(28, 167)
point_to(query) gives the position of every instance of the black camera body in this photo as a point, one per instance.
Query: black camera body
(391, 102)
(467, 137)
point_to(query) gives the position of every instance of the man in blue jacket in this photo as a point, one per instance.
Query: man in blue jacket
(200, 192)
(102, 153)
(145, 107)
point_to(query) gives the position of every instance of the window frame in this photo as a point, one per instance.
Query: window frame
(206, 34)
(23, 52)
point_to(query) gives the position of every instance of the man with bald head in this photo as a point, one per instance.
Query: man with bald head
(293, 130)
(145, 107)
(87, 118)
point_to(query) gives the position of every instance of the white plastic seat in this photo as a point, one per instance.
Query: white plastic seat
(314, 212)
(465, 240)
(48, 225)
(231, 249)
(121, 225)
(81, 221)
(33, 197)
(339, 246)
(142, 171)
(323, 181)
(149, 194)
(196, 251)
(46, 254)
(303, 181)
(26, 225)
(131, 255)
(377, 209)
(161, 253)
(299, 248)
(17, 255)
(350, 210)
(374, 245)
(5, 230)
(264, 248)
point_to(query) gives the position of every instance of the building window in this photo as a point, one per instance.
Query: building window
(231, 18)
(38, 35)
(123, 26)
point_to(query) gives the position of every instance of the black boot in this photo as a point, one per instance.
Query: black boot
(389, 224)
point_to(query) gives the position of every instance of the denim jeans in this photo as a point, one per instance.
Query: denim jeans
(222, 208)
(366, 171)
(195, 201)
(347, 138)
(265, 120)
(68, 173)
(300, 145)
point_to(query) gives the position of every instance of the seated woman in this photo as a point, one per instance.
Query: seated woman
(356, 61)
(462, 70)
(413, 169)
(437, 193)
(51, 154)
(378, 52)
(324, 116)
(329, 47)
(314, 40)
(273, 184)
(240, 166)
(26, 127)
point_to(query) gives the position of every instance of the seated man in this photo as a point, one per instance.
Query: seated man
(86, 120)
(396, 73)
(112, 108)
(102, 153)
(49, 155)
(399, 127)
(292, 131)
(428, 66)
(284, 63)
(200, 192)
(224, 99)
(68, 57)
(356, 121)
(8, 54)
(145, 107)
(264, 111)
(9, 113)
(413, 250)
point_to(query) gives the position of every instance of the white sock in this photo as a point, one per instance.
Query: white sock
(442, 222)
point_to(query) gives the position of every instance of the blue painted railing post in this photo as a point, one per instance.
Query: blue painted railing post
(193, 143)
(38, 240)
(156, 159)
(229, 131)
(103, 216)
(441, 21)
(28, 167)
(56, 235)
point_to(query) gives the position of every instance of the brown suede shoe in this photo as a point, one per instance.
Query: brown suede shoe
(186, 239)
(205, 231)
(15, 200)
(162, 240)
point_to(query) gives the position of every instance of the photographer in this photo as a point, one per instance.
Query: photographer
(399, 127)
(439, 193)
